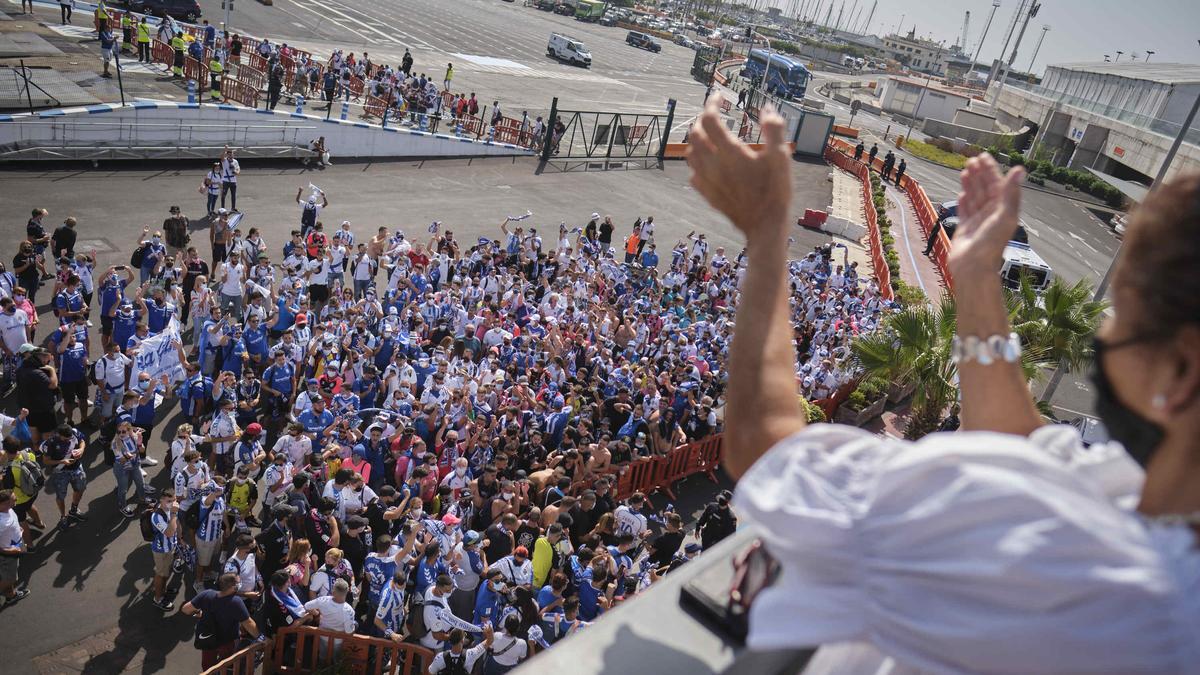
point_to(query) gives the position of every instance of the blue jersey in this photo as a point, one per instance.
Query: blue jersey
(391, 607)
(161, 543)
(234, 356)
(285, 315)
(344, 403)
(211, 520)
(143, 414)
(427, 574)
(158, 316)
(379, 573)
(111, 292)
(367, 390)
(124, 326)
(255, 340)
(279, 378)
(74, 363)
(68, 300)
(314, 423)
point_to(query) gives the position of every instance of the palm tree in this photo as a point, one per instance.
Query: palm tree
(912, 347)
(1057, 326)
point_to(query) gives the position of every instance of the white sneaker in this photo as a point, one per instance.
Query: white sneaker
(149, 461)
(144, 474)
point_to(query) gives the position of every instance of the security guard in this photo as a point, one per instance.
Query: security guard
(101, 17)
(143, 41)
(215, 70)
(178, 44)
(126, 32)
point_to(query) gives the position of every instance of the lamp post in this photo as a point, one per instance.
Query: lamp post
(1149, 53)
(1045, 29)
(1119, 53)
(979, 48)
(920, 99)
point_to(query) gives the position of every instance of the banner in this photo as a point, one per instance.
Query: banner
(159, 355)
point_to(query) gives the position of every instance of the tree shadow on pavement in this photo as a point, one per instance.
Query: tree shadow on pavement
(142, 627)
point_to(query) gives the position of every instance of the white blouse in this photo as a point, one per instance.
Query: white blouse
(971, 552)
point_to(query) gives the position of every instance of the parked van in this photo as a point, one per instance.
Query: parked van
(566, 48)
(1022, 259)
(642, 41)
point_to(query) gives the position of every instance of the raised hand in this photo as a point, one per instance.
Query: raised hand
(989, 213)
(753, 188)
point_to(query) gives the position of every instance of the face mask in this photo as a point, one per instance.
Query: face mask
(460, 471)
(157, 240)
(1138, 435)
(418, 513)
(507, 496)
(19, 298)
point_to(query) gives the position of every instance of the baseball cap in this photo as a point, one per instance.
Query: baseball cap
(521, 552)
(451, 519)
(254, 429)
(302, 320)
(26, 348)
(471, 538)
(356, 522)
(280, 510)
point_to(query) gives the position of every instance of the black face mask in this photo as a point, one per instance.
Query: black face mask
(1138, 435)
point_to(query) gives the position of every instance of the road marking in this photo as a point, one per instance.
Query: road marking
(907, 243)
(1080, 239)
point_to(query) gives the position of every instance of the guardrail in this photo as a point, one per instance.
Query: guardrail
(660, 473)
(132, 132)
(927, 217)
(836, 154)
(234, 89)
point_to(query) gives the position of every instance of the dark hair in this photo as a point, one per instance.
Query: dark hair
(228, 581)
(1164, 278)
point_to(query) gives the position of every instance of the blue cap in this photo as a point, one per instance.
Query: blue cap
(313, 380)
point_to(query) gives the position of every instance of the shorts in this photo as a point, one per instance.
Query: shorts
(74, 391)
(107, 55)
(206, 551)
(22, 510)
(44, 421)
(76, 479)
(8, 568)
(106, 326)
(162, 563)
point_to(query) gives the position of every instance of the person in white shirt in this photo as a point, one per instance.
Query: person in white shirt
(295, 445)
(110, 377)
(508, 650)
(629, 518)
(516, 568)
(438, 617)
(336, 613)
(232, 275)
(14, 326)
(458, 658)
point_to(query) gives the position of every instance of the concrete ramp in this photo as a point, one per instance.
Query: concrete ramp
(161, 129)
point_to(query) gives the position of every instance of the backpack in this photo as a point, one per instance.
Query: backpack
(455, 665)
(308, 218)
(147, 524)
(139, 254)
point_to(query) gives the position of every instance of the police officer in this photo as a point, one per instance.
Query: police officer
(179, 45)
(215, 70)
(143, 41)
(275, 77)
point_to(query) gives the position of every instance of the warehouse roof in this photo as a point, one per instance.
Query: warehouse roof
(1166, 73)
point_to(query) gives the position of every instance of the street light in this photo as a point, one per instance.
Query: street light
(979, 47)
(1119, 53)
(1149, 53)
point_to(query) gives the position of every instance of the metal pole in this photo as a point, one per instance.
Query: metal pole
(549, 133)
(228, 8)
(1007, 40)
(1033, 7)
(120, 82)
(666, 134)
(1038, 48)
(979, 48)
(920, 100)
(28, 87)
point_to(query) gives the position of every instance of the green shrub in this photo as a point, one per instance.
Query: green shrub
(936, 155)
(856, 401)
(873, 388)
(1032, 165)
(1015, 159)
(1059, 174)
(1035, 179)
(812, 413)
(908, 295)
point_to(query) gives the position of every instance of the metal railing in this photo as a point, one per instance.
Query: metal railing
(68, 133)
(1154, 124)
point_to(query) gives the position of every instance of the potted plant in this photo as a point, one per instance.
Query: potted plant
(864, 404)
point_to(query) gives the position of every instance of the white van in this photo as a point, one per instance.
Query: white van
(1021, 258)
(566, 48)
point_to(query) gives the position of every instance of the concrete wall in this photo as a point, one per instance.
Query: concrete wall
(905, 99)
(980, 137)
(977, 120)
(159, 124)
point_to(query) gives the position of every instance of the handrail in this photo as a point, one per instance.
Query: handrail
(316, 648)
(242, 662)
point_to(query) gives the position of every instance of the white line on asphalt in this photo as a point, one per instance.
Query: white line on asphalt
(347, 17)
(1080, 239)
(368, 38)
(907, 243)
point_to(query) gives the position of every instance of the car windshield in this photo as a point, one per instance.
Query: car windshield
(577, 46)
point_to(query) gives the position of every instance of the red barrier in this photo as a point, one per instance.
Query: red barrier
(374, 106)
(635, 477)
(254, 78)
(835, 154)
(194, 70)
(234, 89)
(161, 52)
(927, 216)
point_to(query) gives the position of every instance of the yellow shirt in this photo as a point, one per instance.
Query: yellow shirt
(178, 44)
(215, 66)
(143, 30)
(26, 455)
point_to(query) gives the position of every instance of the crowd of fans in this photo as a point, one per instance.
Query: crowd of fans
(409, 437)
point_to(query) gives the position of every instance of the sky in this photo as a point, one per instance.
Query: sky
(1080, 30)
